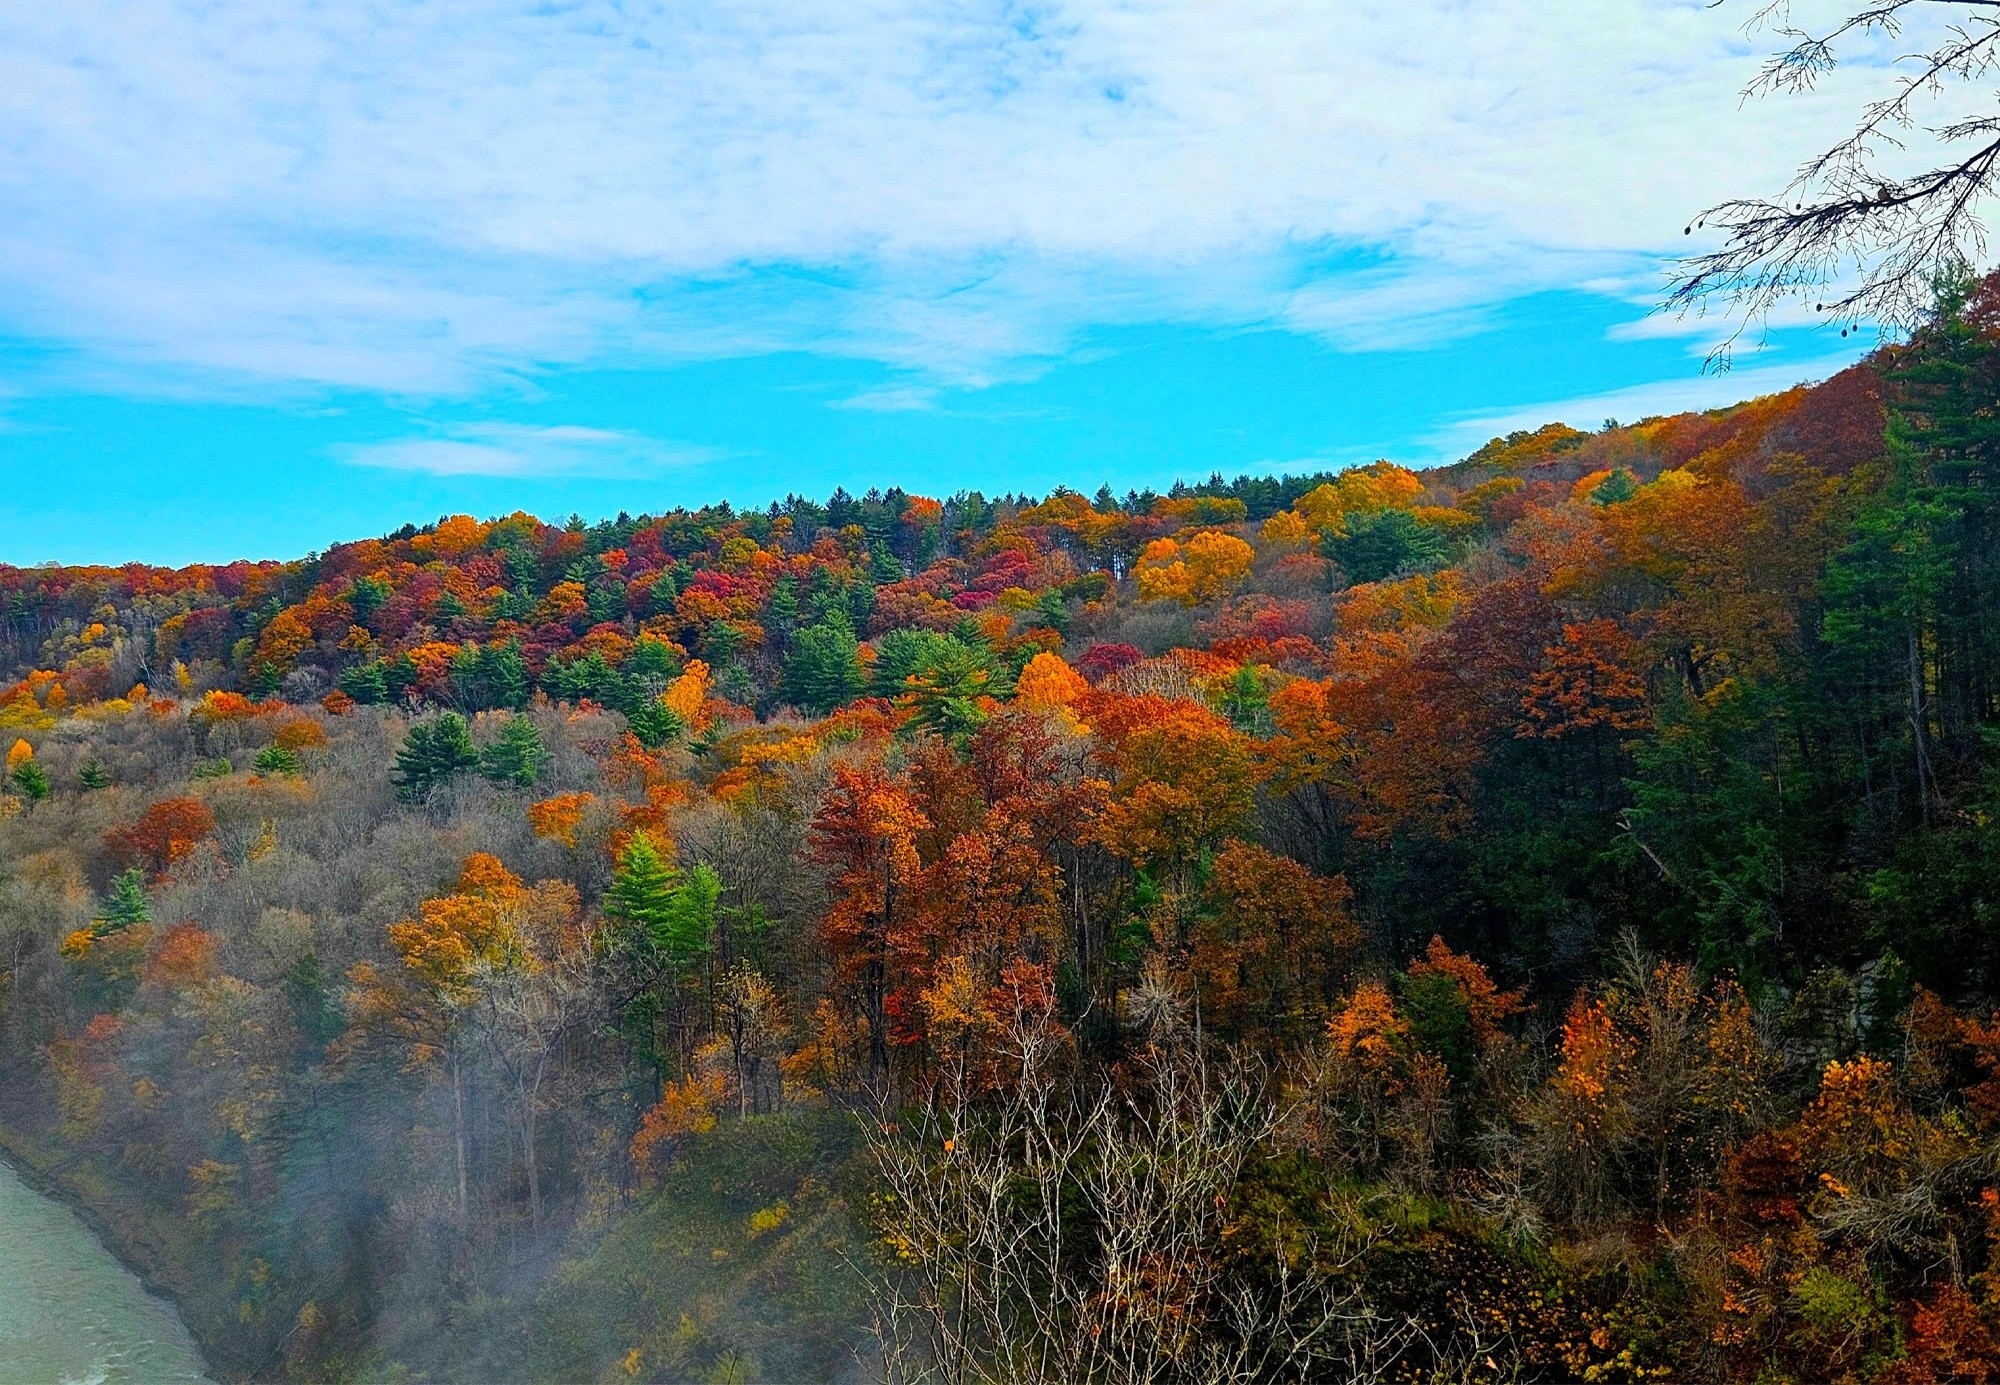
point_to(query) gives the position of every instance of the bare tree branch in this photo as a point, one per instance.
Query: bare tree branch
(1862, 242)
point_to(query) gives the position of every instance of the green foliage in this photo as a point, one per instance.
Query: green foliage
(366, 597)
(1387, 543)
(366, 683)
(91, 774)
(781, 612)
(652, 662)
(31, 781)
(126, 903)
(1617, 488)
(518, 757)
(666, 916)
(279, 761)
(588, 677)
(220, 768)
(1246, 701)
(656, 724)
(485, 677)
(432, 752)
(824, 670)
(940, 677)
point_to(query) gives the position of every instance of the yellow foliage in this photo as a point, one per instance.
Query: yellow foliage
(765, 1220)
(19, 755)
(1284, 529)
(1363, 490)
(1209, 565)
(1047, 680)
(687, 696)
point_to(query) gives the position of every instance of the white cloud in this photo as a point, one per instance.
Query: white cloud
(518, 451)
(419, 197)
(892, 399)
(1708, 391)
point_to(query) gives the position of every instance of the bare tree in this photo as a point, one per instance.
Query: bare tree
(1859, 237)
(1058, 1229)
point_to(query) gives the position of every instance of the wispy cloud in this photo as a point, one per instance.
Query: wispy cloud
(424, 198)
(1709, 391)
(892, 399)
(520, 452)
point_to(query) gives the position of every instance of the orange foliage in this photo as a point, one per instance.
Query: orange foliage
(559, 818)
(166, 833)
(184, 955)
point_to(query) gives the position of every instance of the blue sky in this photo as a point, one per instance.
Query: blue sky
(275, 274)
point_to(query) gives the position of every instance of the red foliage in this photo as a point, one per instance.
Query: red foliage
(166, 833)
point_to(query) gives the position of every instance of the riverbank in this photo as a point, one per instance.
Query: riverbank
(127, 1232)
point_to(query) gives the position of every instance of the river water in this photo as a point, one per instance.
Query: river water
(70, 1314)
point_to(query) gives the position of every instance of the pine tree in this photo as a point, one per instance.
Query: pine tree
(1247, 702)
(824, 670)
(365, 683)
(518, 757)
(277, 760)
(126, 904)
(668, 916)
(781, 613)
(503, 675)
(652, 662)
(656, 724)
(432, 752)
(31, 780)
(92, 774)
(883, 567)
(1615, 489)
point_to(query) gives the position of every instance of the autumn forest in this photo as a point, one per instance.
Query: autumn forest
(1536, 918)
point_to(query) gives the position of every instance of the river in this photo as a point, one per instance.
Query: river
(70, 1314)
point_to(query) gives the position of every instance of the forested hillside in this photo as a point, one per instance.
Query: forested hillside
(1535, 918)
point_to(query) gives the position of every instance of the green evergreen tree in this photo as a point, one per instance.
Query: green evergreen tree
(1615, 489)
(126, 904)
(781, 613)
(93, 775)
(720, 642)
(400, 674)
(1386, 544)
(32, 781)
(484, 677)
(517, 757)
(1246, 701)
(277, 760)
(666, 590)
(944, 694)
(883, 567)
(824, 670)
(432, 752)
(666, 914)
(524, 570)
(605, 601)
(365, 682)
(652, 662)
(365, 597)
(655, 724)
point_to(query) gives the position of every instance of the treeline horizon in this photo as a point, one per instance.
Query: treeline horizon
(1529, 918)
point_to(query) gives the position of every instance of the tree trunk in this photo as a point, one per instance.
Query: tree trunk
(458, 1132)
